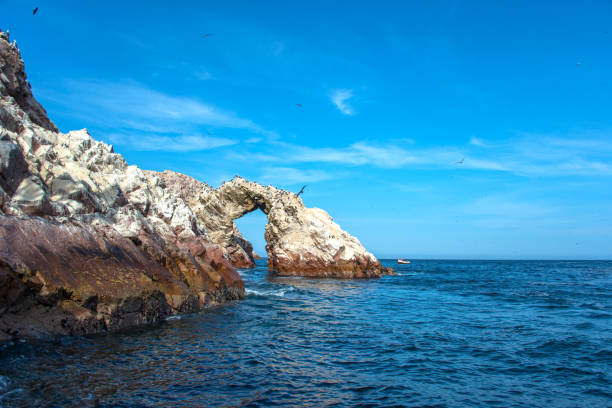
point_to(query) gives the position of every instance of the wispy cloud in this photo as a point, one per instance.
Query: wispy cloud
(277, 48)
(387, 155)
(180, 143)
(536, 156)
(145, 105)
(474, 141)
(339, 97)
(289, 176)
(202, 75)
(144, 118)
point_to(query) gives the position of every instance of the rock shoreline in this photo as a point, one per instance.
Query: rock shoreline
(90, 244)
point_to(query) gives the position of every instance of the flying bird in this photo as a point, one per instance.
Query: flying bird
(299, 105)
(579, 63)
(207, 35)
(461, 161)
(301, 191)
(35, 10)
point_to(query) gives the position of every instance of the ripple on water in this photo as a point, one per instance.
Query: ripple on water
(441, 333)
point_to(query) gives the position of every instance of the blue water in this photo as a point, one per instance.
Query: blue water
(441, 333)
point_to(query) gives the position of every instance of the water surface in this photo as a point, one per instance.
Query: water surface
(440, 333)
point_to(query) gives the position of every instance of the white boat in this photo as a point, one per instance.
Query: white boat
(403, 261)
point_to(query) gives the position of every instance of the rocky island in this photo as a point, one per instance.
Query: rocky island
(89, 243)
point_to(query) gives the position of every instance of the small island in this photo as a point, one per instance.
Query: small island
(91, 244)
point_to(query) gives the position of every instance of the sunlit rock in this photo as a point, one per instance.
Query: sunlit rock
(299, 240)
(88, 243)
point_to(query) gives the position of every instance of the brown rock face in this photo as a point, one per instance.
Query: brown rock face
(72, 279)
(312, 266)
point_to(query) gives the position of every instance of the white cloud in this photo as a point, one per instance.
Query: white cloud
(289, 176)
(135, 101)
(537, 156)
(339, 97)
(368, 153)
(360, 153)
(141, 118)
(181, 143)
(138, 117)
(474, 141)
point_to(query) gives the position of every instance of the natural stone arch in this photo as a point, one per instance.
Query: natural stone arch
(299, 240)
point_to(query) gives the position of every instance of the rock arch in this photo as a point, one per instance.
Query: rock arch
(299, 240)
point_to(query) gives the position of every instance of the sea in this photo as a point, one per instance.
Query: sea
(440, 333)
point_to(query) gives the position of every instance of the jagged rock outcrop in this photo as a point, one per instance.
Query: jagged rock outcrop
(299, 240)
(226, 235)
(88, 243)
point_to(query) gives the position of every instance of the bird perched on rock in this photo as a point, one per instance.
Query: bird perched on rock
(301, 191)
(35, 10)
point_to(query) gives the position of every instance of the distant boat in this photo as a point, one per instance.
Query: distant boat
(403, 261)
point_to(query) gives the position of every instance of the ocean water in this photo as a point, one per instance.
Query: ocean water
(440, 333)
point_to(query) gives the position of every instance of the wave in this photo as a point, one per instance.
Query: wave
(16, 390)
(265, 293)
(4, 383)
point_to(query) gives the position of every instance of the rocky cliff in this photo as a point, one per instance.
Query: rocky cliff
(299, 240)
(89, 243)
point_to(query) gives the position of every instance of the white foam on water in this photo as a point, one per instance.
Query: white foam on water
(277, 293)
(174, 317)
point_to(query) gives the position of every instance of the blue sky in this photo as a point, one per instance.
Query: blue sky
(393, 94)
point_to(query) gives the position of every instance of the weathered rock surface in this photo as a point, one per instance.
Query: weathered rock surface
(299, 240)
(88, 243)
(226, 235)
